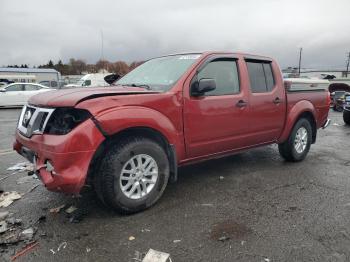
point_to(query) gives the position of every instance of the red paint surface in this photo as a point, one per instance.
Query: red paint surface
(200, 128)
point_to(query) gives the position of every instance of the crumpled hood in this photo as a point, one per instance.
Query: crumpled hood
(72, 97)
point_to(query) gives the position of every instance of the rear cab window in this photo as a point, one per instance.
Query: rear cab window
(260, 76)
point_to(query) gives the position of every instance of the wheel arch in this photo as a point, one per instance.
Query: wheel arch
(140, 131)
(303, 109)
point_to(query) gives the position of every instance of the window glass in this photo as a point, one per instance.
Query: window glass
(87, 83)
(256, 77)
(160, 73)
(225, 74)
(30, 88)
(14, 88)
(270, 82)
(45, 83)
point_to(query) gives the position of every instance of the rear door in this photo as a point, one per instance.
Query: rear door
(267, 101)
(216, 121)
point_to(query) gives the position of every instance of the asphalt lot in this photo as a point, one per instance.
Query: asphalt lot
(262, 208)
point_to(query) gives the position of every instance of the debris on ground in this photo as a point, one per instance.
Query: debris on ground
(27, 234)
(70, 209)
(25, 250)
(156, 256)
(88, 250)
(14, 221)
(11, 232)
(145, 230)
(223, 238)
(177, 241)
(23, 166)
(3, 227)
(63, 245)
(221, 178)
(131, 238)
(77, 216)
(57, 209)
(7, 198)
(267, 259)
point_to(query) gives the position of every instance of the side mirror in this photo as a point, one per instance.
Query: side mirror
(110, 79)
(202, 86)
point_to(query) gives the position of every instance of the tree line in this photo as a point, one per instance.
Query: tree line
(79, 66)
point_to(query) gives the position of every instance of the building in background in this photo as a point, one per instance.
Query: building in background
(45, 76)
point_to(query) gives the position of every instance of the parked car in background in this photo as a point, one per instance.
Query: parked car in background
(90, 80)
(346, 112)
(17, 94)
(52, 84)
(129, 139)
(338, 100)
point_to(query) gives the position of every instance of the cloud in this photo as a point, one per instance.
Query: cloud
(35, 31)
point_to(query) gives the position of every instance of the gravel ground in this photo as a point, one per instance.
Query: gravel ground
(249, 207)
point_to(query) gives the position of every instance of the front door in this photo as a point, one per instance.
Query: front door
(217, 120)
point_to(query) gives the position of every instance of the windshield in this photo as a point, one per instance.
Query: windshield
(159, 73)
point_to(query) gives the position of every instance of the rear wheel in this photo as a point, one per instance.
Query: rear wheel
(299, 141)
(133, 175)
(346, 117)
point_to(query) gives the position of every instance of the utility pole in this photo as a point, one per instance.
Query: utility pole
(347, 65)
(300, 51)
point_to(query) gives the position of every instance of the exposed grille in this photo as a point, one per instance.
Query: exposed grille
(33, 120)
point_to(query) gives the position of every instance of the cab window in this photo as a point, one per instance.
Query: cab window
(260, 76)
(225, 74)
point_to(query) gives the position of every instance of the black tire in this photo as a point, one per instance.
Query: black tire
(107, 180)
(287, 149)
(346, 117)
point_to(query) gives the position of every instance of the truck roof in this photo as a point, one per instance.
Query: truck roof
(206, 53)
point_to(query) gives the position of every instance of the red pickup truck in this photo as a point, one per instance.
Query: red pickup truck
(128, 140)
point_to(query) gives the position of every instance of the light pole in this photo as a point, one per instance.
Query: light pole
(300, 51)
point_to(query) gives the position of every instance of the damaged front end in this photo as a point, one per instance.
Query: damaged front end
(60, 142)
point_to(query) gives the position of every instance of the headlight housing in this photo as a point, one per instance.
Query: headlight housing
(64, 120)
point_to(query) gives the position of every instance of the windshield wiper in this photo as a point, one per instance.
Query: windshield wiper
(139, 85)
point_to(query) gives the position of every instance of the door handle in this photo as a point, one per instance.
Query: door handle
(241, 103)
(277, 101)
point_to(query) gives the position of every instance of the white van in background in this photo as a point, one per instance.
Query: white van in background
(90, 80)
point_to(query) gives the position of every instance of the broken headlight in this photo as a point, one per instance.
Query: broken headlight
(63, 120)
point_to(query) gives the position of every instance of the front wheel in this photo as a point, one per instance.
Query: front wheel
(133, 175)
(346, 117)
(299, 141)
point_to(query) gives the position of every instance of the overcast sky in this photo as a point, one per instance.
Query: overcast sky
(35, 31)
